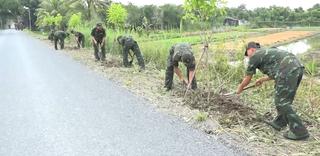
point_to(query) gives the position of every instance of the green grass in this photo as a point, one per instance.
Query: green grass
(201, 116)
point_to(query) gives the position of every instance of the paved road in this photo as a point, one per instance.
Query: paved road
(51, 105)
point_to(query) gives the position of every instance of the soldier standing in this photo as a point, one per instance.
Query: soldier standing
(128, 43)
(79, 37)
(181, 52)
(51, 35)
(98, 39)
(59, 36)
(287, 71)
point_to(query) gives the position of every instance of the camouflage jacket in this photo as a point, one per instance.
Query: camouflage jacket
(78, 34)
(98, 34)
(126, 41)
(273, 62)
(60, 34)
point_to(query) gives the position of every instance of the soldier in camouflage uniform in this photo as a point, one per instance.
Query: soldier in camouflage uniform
(180, 53)
(79, 37)
(59, 36)
(98, 39)
(51, 35)
(287, 71)
(128, 43)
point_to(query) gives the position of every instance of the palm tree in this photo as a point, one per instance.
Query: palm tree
(90, 8)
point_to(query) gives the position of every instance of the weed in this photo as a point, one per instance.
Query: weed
(201, 116)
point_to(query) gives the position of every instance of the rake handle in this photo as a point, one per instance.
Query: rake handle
(252, 86)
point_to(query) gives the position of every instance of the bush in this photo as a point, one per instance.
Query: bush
(75, 20)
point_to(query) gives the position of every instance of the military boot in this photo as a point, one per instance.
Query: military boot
(297, 130)
(279, 121)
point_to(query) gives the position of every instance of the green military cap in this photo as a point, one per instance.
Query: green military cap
(186, 57)
(99, 24)
(251, 45)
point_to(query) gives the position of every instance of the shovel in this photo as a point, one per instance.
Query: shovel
(132, 57)
(233, 93)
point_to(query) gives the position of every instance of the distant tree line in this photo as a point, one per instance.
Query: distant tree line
(43, 13)
(275, 16)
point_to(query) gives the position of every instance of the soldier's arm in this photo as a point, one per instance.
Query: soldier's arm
(251, 70)
(179, 74)
(93, 40)
(92, 37)
(246, 80)
(104, 36)
(263, 79)
(191, 76)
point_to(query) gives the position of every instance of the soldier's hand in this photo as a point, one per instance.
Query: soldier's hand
(239, 91)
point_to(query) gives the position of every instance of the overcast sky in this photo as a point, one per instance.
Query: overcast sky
(250, 4)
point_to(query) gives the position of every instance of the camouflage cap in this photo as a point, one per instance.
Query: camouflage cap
(99, 24)
(255, 45)
(187, 58)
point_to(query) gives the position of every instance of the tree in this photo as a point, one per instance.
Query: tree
(59, 9)
(74, 20)
(57, 20)
(117, 15)
(9, 9)
(201, 11)
(90, 9)
(171, 16)
(135, 16)
(150, 11)
(32, 5)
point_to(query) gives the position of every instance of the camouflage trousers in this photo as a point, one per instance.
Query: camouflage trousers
(51, 36)
(102, 55)
(170, 73)
(61, 42)
(80, 41)
(136, 51)
(285, 91)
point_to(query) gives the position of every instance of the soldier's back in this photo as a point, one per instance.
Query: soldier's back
(181, 48)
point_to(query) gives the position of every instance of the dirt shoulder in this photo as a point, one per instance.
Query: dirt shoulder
(250, 135)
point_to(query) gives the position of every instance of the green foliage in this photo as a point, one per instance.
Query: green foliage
(135, 15)
(58, 19)
(311, 68)
(201, 10)
(171, 16)
(117, 15)
(75, 20)
(91, 9)
(48, 20)
(201, 116)
(9, 9)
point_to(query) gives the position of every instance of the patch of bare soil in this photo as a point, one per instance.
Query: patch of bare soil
(230, 109)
